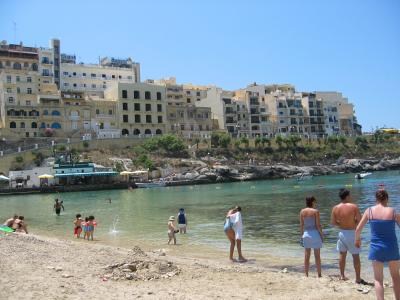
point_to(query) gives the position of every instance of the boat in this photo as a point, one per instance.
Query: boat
(362, 175)
(150, 184)
(303, 176)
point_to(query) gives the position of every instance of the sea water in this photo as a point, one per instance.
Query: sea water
(270, 211)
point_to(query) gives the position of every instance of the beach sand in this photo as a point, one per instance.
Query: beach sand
(36, 267)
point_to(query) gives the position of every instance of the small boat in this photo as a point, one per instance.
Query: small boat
(362, 175)
(150, 184)
(303, 176)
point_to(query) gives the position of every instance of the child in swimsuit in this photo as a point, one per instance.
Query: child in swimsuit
(171, 230)
(90, 227)
(85, 228)
(78, 226)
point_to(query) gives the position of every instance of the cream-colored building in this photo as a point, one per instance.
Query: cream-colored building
(183, 117)
(141, 108)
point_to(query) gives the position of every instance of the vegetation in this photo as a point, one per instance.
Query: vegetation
(38, 158)
(19, 159)
(169, 144)
(85, 144)
(144, 161)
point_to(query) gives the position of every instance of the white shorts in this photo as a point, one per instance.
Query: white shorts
(181, 226)
(346, 241)
(238, 234)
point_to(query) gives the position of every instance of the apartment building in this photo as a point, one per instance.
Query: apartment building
(183, 117)
(94, 79)
(141, 108)
(340, 115)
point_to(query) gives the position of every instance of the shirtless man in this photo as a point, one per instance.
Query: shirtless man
(57, 206)
(346, 217)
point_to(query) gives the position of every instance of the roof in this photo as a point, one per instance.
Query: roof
(87, 174)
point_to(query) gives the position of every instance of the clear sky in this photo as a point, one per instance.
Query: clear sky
(351, 46)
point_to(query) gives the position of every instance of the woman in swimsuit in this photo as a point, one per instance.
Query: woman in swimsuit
(230, 232)
(311, 234)
(383, 247)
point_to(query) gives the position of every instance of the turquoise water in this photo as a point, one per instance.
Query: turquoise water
(270, 211)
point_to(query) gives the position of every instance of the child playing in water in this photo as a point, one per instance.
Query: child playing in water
(171, 230)
(85, 228)
(90, 227)
(78, 226)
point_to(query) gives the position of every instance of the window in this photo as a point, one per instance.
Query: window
(56, 125)
(137, 107)
(22, 125)
(93, 75)
(137, 119)
(84, 74)
(8, 63)
(129, 77)
(147, 95)
(158, 96)
(9, 90)
(29, 91)
(104, 86)
(8, 79)
(74, 73)
(110, 112)
(120, 77)
(28, 102)
(113, 76)
(74, 84)
(26, 65)
(147, 131)
(125, 118)
(125, 132)
(124, 106)
(17, 66)
(159, 107)
(148, 118)
(66, 84)
(18, 78)
(159, 119)
(28, 79)
(93, 86)
(103, 75)
(34, 125)
(10, 99)
(148, 107)
(18, 90)
(65, 73)
(13, 125)
(124, 94)
(182, 127)
(55, 113)
(45, 112)
(187, 100)
(97, 111)
(136, 95)
(198, 94)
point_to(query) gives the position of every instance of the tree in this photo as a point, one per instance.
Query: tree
(332, 141)
(19, 159)
(38, 158)
(342, 140)
(144, 161)
(361, 142)
(85, 144)
(244, 141)
(224, 140)
(257, 141)
(74, 155)
(265, 140)
(215, 140)
(294, 140)
(119, 167)
(279, 141)
(197, 141)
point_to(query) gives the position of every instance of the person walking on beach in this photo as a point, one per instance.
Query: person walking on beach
(233, 228)
(346, 217)
(311, 231)
(182, 221)
(383, 247)
(171, 230)
(57, 206)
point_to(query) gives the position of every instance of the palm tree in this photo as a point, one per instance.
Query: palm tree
(257, 141)
(279, 141)
(197, 141)
(245, 141)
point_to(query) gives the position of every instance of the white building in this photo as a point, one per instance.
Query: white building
(29, 178)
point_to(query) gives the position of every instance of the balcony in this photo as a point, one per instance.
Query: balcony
(46, 62)
(47, 74)
(74, 118)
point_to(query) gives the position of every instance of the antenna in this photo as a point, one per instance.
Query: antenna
(15, 32)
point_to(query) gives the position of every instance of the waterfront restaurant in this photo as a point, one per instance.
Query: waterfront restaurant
(83, 173)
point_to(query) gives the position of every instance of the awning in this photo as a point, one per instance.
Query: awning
(4, 178)
(45, 176)
(87, 174)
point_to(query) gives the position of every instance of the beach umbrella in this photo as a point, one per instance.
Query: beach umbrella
(125, 173)
(4, 178)
(45, 176)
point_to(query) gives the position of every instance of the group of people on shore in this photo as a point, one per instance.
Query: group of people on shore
(347, 218)
(86, 226)
(16, 224)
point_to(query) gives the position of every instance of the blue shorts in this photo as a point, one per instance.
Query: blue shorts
(312, 239)
(346, 241)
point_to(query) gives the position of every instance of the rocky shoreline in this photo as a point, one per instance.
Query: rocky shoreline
(202, 173)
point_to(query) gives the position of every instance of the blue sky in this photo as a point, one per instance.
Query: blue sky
(352, 46)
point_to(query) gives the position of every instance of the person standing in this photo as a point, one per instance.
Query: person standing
(57, 206)
(311, 232)
(171, 230)
(383, 247)
(182, 221)
(234, 230)
(346, 217)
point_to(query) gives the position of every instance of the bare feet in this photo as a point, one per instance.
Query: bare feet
(343, 278)
(242, 259)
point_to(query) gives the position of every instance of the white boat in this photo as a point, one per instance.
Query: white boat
(362, 175)
(150, 184)
(303, 176)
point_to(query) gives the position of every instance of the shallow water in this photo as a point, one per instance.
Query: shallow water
(270, 212)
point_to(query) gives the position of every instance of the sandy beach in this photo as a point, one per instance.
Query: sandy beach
(45, 268)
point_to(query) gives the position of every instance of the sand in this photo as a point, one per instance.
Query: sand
(36, 267)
